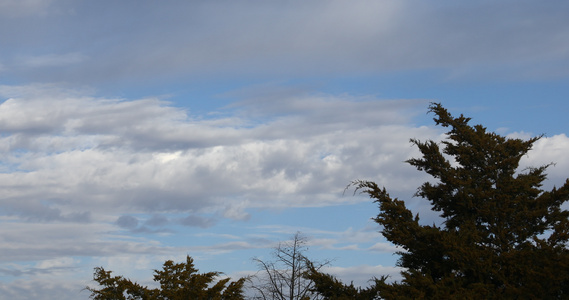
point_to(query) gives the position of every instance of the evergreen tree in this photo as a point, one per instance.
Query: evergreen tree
(503, 236)
(330, 288)
(177, 282)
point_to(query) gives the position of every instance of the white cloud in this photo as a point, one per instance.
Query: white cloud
(81, 175)
(23, 289)
(70, 158)
(550, 150)
(63, 262)
(78, 151)
(384, 247)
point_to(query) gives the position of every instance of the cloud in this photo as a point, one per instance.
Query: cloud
(197, 221)
(52, 60)
(86, 176)
(35, 289)
(361, 275)
(550, 150)
(85, 154)
(20, 8)
(89, 171)
(128, 222)
(126, 183)
(384, 247)
(50, 267)
(26, 241)
(157, 220)
(512, 40)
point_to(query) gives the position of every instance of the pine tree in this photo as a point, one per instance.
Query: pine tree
(502, 235)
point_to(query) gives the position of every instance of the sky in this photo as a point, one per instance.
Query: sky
(135, 132)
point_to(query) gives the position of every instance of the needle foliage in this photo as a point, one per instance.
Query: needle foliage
(502, 236)
(177, 281)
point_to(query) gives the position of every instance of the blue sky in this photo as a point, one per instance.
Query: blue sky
(133, 132)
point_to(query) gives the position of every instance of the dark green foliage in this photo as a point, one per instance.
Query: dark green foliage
(115, 287)
(177, 281)
(503, 236)
(331, 288)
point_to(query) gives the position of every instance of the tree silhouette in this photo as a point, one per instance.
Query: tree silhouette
(503, 236)
(177, 282)
(330, 288)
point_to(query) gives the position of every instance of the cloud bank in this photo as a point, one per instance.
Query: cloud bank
(68, 158)
(132, 40)
(79, 171)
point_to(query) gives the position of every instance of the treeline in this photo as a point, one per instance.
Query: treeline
(503, 236)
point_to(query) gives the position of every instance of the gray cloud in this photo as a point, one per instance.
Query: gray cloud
(52, 60)
(44, 241)
(134, 225)
(129, 222)
(157, 220)
(197, 221)
(34, 289)
(515, 39)
(15, 272)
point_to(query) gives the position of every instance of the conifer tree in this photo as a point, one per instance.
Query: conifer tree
(177, 281)
(330, 288)
(502, 235)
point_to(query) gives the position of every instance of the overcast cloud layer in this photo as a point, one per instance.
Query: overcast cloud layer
(94, 42)
(132, 132)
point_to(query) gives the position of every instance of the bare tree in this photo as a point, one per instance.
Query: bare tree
(283, 278)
